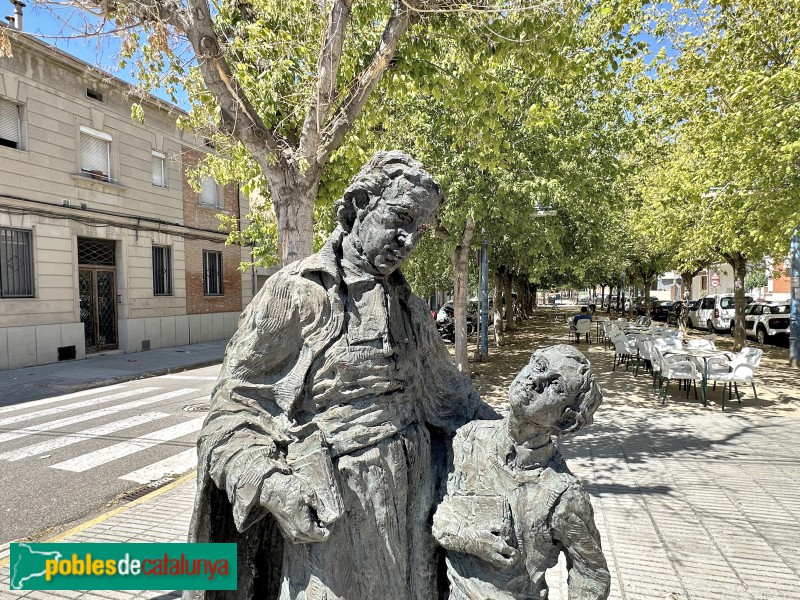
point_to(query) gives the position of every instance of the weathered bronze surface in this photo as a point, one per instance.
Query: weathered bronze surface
(512, 505)
(329, 425)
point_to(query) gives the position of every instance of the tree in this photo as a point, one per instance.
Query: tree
(280, 86)
(728, 119)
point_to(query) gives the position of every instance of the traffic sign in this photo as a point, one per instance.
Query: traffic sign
(715, 280)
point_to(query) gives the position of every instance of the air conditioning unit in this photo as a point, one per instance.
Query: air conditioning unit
(64, 202)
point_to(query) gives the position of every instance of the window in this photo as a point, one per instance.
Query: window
(95, 153)
(159, 169)
(16, 263)
(10, 135)
(210, 193)
(212, 270)
(726, 303)
(162, 271)
(94, 94)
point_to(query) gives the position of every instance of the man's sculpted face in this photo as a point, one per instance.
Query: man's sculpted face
(392, 229)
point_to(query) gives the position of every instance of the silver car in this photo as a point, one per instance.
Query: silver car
(765, 320)
(715, 312)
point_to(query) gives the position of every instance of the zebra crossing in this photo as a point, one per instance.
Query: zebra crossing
(62, 431)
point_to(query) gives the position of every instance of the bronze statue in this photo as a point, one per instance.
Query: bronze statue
(329, 424)
(512, 504)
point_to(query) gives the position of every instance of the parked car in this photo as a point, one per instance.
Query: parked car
(635, 305)
(445, 321)
(764, 320)
(674, 313)
(715, 312)
(659, 310)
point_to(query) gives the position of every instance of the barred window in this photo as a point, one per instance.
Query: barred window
(95, 153)
(210, 193)
(212, 269)
(16, 263)
(162, 270)
(10, 130)
(159, 169)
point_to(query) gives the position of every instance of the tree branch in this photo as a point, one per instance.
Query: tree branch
(171, 12)
(330, 57)
(239, 118)
(335, 131)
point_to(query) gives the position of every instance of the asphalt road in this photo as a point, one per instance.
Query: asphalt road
(67, 458)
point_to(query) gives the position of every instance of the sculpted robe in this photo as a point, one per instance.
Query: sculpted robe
(324, 352)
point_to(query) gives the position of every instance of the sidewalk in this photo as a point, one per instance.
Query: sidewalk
(692, 503)
(43, 381)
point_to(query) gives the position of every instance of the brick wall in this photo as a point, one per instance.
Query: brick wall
(204, 217)
(781, 282)
(196, 301)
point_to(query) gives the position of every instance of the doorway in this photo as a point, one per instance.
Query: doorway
(97, 291)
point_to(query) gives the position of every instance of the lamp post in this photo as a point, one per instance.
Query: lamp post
(794, 317)
(483, 276)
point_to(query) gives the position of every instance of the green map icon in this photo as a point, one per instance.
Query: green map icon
(28, 564)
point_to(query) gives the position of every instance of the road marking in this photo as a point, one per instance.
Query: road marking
(192, 377)
(46, 412)
(125, 449)
(80, 436)
(43, 401)
(173, 465)
(101, 412)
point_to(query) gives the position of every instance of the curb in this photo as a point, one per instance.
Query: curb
(4, 562)
(68, 388)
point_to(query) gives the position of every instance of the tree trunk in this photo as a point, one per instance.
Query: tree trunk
(648, 283)
(293, 197)
(508, 301)
(739, 264)
(460, 261)
(686, 284)
(497, 309)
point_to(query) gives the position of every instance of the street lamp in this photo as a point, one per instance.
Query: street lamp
(483, 275)
(794, 317)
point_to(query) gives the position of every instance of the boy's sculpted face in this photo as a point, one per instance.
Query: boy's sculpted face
(546, 391)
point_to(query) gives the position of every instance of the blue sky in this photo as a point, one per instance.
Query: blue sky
(65, 28)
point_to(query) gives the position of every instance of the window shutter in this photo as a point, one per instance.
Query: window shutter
(94, 154)
(158, 170)
(9, 121)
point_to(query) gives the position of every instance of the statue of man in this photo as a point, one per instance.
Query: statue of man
(512, 505)
(330, 419)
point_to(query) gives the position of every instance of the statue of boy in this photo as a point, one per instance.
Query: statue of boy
(512, 504)
(330, 420)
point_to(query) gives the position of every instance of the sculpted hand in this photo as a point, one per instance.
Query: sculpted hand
(493, 548)
(294, 506)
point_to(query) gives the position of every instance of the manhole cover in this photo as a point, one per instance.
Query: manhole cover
(145, 489)
(196, 408)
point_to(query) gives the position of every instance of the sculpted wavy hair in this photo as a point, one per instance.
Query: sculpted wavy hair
(367, 187)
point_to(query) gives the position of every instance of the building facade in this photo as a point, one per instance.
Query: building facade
(103, 244)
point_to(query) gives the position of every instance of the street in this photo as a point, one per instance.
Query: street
(69, 457)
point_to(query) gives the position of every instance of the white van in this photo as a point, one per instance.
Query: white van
(715, 312)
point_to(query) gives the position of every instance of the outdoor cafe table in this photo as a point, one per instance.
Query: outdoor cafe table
(704, 354)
